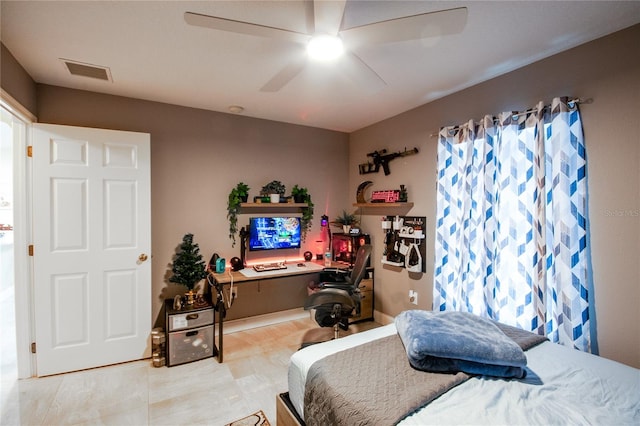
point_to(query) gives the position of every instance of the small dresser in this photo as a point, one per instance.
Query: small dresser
(189, 333)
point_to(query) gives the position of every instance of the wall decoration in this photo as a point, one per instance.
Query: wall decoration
(360, 192)
(381, 196)
(387, 196)
(404, 242)
(381, 158)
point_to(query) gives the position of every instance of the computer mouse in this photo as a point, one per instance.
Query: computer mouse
(301, 264)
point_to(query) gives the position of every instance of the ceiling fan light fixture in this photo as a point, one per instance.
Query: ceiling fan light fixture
(325, 47)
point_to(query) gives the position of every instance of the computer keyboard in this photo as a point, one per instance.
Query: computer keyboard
(269, 266)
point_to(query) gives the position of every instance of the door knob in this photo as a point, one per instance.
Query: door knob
(143, 257)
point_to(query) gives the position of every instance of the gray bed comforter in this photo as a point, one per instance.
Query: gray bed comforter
(374, 384)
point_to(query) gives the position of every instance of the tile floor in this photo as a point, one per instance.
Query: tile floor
(200, 393)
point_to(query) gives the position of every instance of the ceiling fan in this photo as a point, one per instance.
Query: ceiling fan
(326, 17)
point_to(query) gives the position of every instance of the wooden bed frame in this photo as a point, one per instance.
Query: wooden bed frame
(285, 413)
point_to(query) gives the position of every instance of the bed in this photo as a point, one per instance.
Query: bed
(562, 386)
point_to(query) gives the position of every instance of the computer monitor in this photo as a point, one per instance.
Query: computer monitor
(274, 233)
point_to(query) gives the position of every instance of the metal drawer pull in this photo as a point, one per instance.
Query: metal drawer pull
(192, 316)
(192, 333)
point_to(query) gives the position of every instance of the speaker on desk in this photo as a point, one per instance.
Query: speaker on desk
(236, 264)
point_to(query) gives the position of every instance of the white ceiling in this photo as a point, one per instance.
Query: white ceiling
(154, 55)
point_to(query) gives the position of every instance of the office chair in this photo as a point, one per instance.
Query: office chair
(336, 300)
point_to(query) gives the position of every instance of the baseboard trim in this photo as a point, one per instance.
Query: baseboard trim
(257, 321)
(381, 318)
(241, 324)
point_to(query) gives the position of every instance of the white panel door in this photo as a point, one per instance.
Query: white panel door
(92, 242)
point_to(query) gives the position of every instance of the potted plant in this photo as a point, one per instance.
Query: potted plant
(301, 195)
(274, 189)
(346, 220)
(188, 266)
(238, 195)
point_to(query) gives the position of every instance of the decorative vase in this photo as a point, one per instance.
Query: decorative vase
(275, 198)
(346, 228)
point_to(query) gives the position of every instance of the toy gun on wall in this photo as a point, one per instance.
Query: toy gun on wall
(381, 158)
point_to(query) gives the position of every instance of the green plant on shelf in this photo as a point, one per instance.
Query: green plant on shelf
(345, 219)
(273, 187)
(301, 195)
(237, 196)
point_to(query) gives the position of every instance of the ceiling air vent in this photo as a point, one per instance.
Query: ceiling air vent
(88, 70)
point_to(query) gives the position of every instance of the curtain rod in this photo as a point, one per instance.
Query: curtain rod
(516, 115)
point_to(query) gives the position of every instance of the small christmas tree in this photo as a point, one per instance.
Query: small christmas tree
(188, 266)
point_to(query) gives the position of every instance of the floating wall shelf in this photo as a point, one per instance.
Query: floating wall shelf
(273, 205)
(382, 205)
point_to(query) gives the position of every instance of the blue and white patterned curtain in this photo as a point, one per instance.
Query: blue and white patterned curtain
(511, 224)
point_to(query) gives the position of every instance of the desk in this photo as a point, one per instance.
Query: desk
(249, 274)
(250, 277)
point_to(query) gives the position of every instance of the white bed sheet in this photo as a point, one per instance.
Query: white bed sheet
(567, 387)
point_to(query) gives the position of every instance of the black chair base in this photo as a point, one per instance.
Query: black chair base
(336, 335)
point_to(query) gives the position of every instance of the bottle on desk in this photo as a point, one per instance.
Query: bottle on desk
(327, 258)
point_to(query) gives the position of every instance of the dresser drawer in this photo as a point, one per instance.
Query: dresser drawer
(190, 345)
(366, 307)
(190, 319)
(366, 285)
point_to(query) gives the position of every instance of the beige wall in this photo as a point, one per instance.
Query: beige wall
(15, 80)
(607, 70)
(198, 156)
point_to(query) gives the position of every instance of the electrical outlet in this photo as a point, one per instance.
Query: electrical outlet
(413, 297)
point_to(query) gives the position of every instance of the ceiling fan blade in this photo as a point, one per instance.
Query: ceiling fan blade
(362, 73)
(240, 27)
(415, 27)
(309, 16)
(284, 76)
(328, 15)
